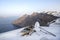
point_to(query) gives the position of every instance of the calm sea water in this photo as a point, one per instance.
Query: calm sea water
(6, 27)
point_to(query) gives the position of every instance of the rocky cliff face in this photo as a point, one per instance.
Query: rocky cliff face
(28, 20)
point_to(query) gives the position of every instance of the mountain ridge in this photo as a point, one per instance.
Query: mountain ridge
(43, 19)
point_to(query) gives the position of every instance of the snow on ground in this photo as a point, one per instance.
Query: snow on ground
(16, 35)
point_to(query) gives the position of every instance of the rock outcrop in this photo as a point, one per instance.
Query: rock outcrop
(28, 20)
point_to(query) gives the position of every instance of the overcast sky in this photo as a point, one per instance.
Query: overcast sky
(17, 7)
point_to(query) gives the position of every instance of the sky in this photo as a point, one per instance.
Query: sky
(19, 7)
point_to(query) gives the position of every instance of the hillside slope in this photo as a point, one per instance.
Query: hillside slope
(16, 35)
